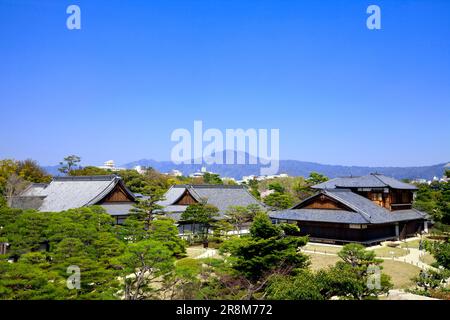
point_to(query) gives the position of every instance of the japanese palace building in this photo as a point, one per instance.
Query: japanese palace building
(179, 197)
(64, 193)
(366, 209)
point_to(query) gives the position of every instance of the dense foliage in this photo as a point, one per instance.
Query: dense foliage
(284, 192)
(358, 276)
(435, 200)
(15, 176)
(45, 244)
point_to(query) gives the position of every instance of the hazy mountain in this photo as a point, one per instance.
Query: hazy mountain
(296, 168)
(291, 167)
(53, 170)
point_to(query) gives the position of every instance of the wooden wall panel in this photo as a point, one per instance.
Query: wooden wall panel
(323, 202)
(117, 195)
(186, 199)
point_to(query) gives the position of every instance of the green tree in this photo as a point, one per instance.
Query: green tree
(290, 229)
(441, 252)
(434, 280)
(431, 279)
(16, 175)
(237, 216)
(30, 171)
(145, 264)
(221, 229)
(27, 233)
(164, 231)
(147, 208)
(202, 214)
(8, 216)
(97, 281)
(277, 187)
(28, 281)
(132, 230)
(255, 209)
(81, 237)
(316, 178)
(184, 282)
(145, 183)
(266, 252)
(89, 171)
(212, 178)
(254, 188)
(69, 163)
(426, 199)
(279, 200)
(358, 275)
(14, 186)
(302, 286)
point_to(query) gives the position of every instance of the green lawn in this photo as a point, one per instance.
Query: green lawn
(427, 258)
(320, 261)
(387, 252)
(410, 244)
(400, 272)
(194, 251)
(325, 249)
(414, 243)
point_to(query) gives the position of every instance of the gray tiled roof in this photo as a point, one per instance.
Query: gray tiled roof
(118, 209)
(65, 193)
(369, 181)
(320, 215)
(34, 189)
(221, 196)
(363, 211)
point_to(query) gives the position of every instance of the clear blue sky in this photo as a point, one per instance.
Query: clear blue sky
(137, 70)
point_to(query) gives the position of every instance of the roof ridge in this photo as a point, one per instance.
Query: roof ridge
(194, 193)
(86, 178)
(217, 186)
(103, 193)
(365, 215)
(376, 176)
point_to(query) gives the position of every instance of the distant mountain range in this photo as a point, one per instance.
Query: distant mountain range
(298, 168)
(291, 167)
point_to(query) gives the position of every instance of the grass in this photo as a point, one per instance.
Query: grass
(387, 252)
(324, 249)
(410, 244)
(400, 272)
(427, 258)
(195, 251)
(414, 243)
(320, 261)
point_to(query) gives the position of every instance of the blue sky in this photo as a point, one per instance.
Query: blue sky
(137, 70)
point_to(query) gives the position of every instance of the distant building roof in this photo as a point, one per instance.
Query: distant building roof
(361, 211)
(65, 193)
(373, 180)
(220, 196)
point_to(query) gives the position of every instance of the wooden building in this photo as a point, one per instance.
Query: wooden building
(64, 193)
(367, 209)
(179, 197)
